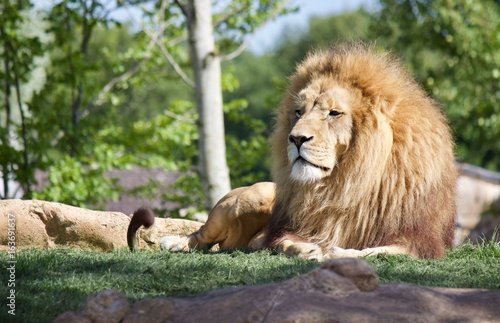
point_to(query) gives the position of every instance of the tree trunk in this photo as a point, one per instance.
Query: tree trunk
(207, 72)
(5, 171)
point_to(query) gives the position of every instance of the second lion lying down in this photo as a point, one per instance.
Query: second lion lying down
(363, 164)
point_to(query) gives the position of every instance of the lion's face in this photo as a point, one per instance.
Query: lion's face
(321, 130)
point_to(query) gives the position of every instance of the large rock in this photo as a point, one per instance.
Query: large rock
(475, 197)
(40, 224)
(342, 290)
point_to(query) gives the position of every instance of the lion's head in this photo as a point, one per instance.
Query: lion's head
(363, 157)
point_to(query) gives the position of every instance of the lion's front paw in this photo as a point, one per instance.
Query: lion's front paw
(174, 243)
(304, 250)
(338, 252)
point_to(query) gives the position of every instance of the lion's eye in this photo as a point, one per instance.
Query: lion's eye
(298, 114)
(334, 114)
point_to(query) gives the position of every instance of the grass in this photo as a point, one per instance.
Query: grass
(49, 282)
(467, 266)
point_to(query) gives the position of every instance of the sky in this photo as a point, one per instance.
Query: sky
(266, 36)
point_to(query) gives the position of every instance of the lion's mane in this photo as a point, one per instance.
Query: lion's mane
(396, 182)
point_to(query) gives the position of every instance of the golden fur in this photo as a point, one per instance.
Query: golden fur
(393, 183)
(363, 164)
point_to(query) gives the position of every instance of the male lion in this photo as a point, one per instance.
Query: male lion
(363, 164)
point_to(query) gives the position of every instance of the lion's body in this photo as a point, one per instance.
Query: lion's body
(363, 160)
(394, 184)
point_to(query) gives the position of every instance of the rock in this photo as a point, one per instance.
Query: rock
(71, 317)
(41, 224)
(474, 197)
(342, 290)
(488, 228)
(360, 273)
(109, 306)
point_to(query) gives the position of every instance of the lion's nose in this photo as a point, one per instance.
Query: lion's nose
(299, 140)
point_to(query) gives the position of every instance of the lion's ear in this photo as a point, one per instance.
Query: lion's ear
(385, 105)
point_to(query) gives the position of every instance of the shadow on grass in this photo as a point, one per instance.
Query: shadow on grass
(53, 281)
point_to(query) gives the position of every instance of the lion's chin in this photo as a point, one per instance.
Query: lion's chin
(303, 171)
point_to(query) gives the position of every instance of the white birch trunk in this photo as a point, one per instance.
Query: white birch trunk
(207, 72)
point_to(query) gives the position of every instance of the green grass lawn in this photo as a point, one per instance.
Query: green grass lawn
(53, 281)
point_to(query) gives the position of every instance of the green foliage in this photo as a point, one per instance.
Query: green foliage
(74, 184)
(18, 49)
(167, 141)
(234, 20)
(323, 32)
(255, 75)
(81, 181)
(454, 49)
(111, 99)
(66, 277)
(247, 153)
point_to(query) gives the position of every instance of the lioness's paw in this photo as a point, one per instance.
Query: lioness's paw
(174, 243)
(304, 250)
